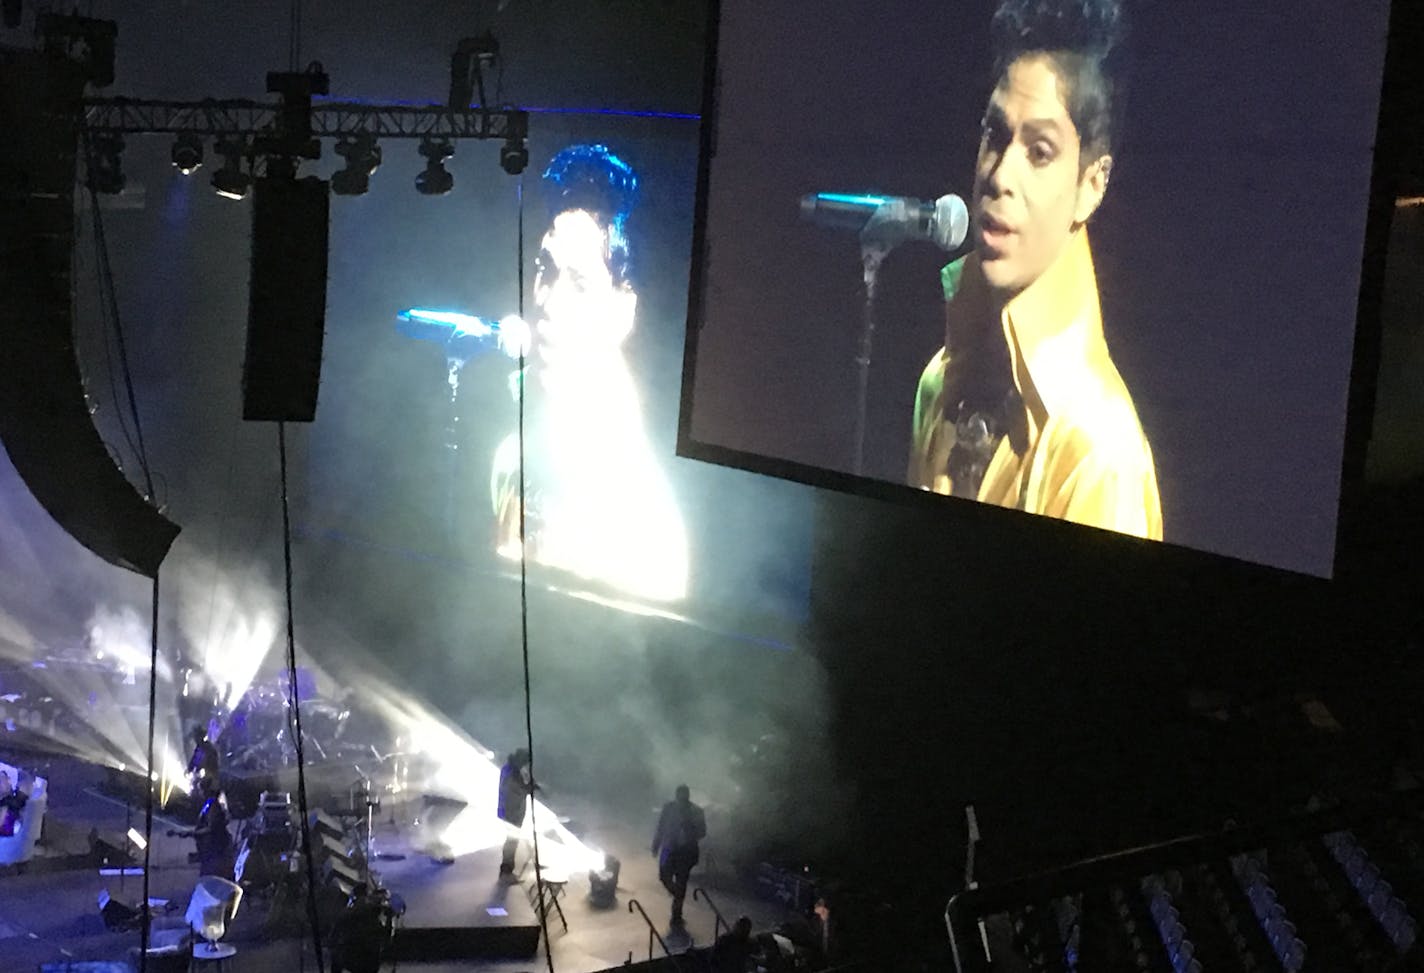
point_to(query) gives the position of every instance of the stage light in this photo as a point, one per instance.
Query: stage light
(603, 882)
(187, 153)
(435, 180)
(137, 839)
(106, 172)
(363, 158)
(230, 180)
(514, 156)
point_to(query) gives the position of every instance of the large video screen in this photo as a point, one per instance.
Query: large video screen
(418, 448)
(1095, 260)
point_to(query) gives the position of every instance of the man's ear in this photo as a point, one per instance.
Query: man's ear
(1092, 186)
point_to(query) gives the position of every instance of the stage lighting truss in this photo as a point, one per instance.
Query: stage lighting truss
(251, 137)
(187, 153)
(230, 180)
(435, 179)
(105, 164)
(363, 158)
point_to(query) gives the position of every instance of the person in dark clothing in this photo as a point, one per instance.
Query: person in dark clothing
(359, 934)
(215, 852)
(203, 765)
(680, 827)
(825, 936)
(516, 784)
(732, 952)
(12, 802)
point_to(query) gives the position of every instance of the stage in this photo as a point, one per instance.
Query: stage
(451, 920)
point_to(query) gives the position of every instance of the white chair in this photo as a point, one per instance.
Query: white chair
(19, 848)
(213, 905)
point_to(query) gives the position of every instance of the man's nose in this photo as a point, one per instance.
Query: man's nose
(1002, 177)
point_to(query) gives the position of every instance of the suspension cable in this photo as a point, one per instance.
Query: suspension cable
(149, 777)
(294, 36)
(109, 309)
(524, 596)
(294, 705)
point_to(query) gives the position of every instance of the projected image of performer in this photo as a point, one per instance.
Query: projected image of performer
(1023, 407)
(598, 502)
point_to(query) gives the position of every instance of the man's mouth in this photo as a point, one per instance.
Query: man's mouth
(993, 233)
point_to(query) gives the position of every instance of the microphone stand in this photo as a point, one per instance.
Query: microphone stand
(873, 250)
(368, 799)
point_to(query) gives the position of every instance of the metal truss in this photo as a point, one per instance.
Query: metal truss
(240, 117)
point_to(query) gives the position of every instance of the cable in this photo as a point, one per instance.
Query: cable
(109, 307)
(524, 599)
(294, 702)
(144, 921)
(294, 42)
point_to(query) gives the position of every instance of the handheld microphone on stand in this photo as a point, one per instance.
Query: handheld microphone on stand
(883, 223)
(891, 219)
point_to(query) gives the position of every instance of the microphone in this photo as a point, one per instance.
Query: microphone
(463, 335)
(891, 219)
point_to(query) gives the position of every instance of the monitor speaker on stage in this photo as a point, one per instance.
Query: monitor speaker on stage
(286, 315)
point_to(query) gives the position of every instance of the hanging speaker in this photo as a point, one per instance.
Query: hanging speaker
(45, 422)
(286, 313)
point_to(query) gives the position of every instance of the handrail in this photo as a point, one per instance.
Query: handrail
(718, 923)
(653, 934)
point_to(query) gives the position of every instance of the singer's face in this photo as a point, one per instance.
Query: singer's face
(1030, 190)
(580, 309)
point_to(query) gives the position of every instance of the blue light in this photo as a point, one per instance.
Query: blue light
(852, 200)
(462, 323)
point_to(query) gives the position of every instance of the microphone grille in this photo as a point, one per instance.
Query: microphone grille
(951, 222)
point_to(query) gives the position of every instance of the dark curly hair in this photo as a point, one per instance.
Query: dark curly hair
(1082, 40)
(592, 178)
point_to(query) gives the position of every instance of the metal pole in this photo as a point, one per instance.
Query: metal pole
(872, 253)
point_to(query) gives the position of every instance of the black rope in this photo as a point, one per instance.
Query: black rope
(109, 308)
(524, 599)
(148, 804)
(294, 702)
(294, 42)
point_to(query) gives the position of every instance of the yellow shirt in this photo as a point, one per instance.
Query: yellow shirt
(1085, 457)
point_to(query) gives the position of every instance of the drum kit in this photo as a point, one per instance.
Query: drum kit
(258, 733)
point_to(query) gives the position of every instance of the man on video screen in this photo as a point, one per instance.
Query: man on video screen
(598, 502)
(1023, 407)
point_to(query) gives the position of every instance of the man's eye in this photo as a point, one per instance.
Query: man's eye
(1041, 153)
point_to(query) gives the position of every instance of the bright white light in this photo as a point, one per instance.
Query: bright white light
(123, 636)
(137, 839)
(463, 770)
(603, 509)
(234, 634)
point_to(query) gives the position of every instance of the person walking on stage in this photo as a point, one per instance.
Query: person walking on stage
(680, 827)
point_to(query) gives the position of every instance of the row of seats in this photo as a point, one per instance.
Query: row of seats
(1292, 898)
